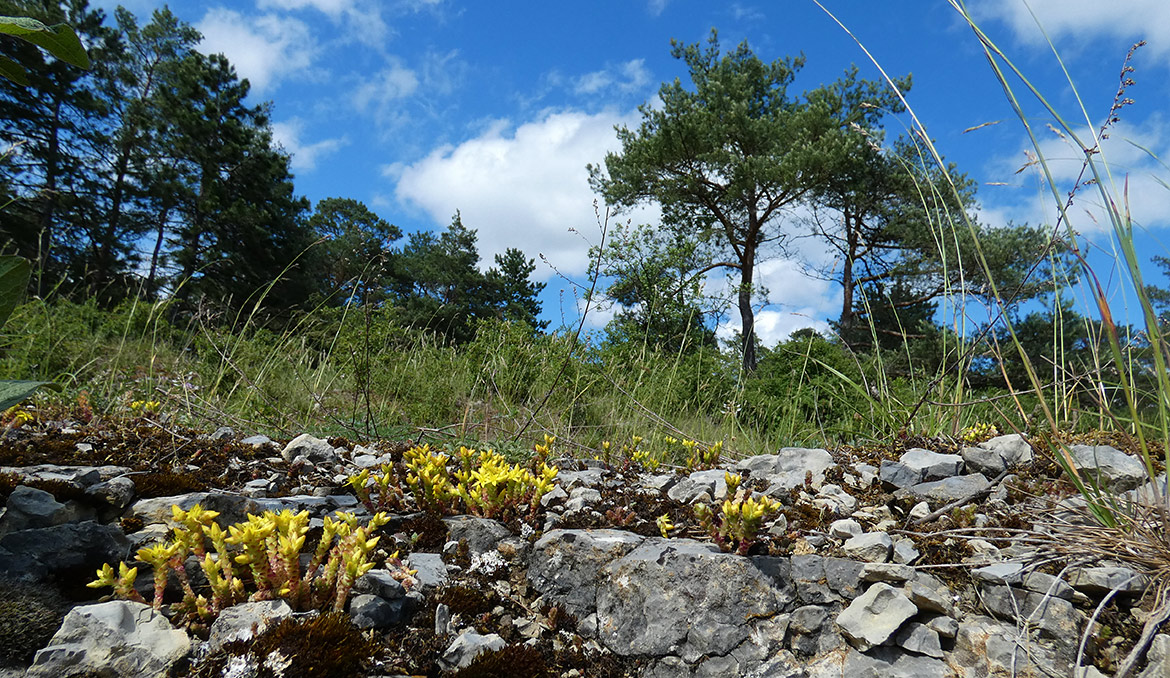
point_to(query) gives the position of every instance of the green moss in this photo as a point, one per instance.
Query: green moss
(324, 646)
(514, 661)
(29, 616)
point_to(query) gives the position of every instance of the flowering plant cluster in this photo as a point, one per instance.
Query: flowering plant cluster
(269, 547)
(482, 483)
(738, 522)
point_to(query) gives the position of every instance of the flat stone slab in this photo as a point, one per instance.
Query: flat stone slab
(683, 597)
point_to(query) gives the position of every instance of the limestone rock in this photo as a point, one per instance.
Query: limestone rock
(1112, 468)
(482, 534)
(467, 646)
(314, 449)
(566, 565)
(245, 621)
(789, 467)
(874, 616)
(118, 638)
(683, 597)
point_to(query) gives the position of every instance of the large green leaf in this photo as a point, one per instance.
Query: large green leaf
(59, 40)
(14, 273)
(13, 71)
(15, 392)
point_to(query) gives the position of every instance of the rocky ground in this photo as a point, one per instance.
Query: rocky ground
(922, 558)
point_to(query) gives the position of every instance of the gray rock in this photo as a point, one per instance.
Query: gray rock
(683, 597)
(718, 667)
(931, 465)
(789, 467)
(557, 493)
(834, 500)
(804, 628)
(566, 565)
(945, 627)
(316, 450)
(117, 492)
(74, 547)
(930, 595)
(371, 612)
(380, 583)
(845, 528)
(466, 647)
(30, 508)
(1053, 617)
(951, 489)
(581, 498)
(897, 474)
(888, 572)
(919, 639)
(983, 460)
(1040, 582)
(1012, 447)
(482, 534)
(257, 441)
(245, 621)
(222, 433)
(591, 477)
(874, 616)
(984, 647)
(432, 571)
(669, 667)
(881, 663)
(1157, 658)
(1099, 581)
(1112, 468)
(871, 547)
(658, 483)
(118, 638)
(689, 489)
(905, 552)
(232, 508)
(822, 580)
(999, 573)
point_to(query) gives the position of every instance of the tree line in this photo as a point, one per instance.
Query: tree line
(152, 173)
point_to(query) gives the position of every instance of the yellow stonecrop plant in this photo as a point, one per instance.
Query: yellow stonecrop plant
(738, 522)
(978, 433)
(269, 545)
(482, 483)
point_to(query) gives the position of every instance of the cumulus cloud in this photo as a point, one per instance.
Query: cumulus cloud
(1085, 19)
(288, 135)
(522, 186)
(526, 186)
(264, 49)
(627, 77)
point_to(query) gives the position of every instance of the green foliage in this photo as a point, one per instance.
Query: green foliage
(268, 546)
(14, 274)
(60, 40)
(748, 149)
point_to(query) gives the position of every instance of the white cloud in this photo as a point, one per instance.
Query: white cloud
(656, 7)
(1133, 175)
(333, 8)
(627, 77)
(796, 301)
(363, 17)
(263, 49)
(521, 187)
(381, 94)
(1085, 19)
(304, 156)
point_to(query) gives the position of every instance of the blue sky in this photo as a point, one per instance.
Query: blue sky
(420, 108)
